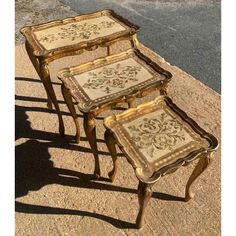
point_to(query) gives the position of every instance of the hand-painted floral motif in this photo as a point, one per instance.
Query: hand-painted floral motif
(162, 132)
(77, 31)
(112, 77)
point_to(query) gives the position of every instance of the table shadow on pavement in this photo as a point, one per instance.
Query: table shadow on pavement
(34, 169)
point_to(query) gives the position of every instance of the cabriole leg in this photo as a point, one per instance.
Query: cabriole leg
(111, 145)
(36, 65)
(71, 107)
(90, 131)
(198, 170)
(45, 76)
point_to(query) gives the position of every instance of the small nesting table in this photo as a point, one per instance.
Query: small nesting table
(157, 138)
(108, 82)
(71, 36)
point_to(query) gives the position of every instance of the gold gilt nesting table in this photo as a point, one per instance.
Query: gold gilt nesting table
(106, 83)
(157, 138)
(71, 36)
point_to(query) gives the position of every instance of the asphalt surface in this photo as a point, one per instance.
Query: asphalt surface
(185, 33)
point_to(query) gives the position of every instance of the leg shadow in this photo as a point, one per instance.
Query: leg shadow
(34, 170)
(34, 99)
(33, 80)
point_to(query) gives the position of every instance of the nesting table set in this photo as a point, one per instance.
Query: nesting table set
(156, 137)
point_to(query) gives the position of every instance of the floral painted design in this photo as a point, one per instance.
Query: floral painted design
(112, 77)
(161, 133)
(77, 31)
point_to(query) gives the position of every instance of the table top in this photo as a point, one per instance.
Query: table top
(74, 33)
(109, 78)
(157, 136)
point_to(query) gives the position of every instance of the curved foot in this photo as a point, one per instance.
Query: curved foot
(96, 176)
(189, 196)
(139, 220)
(77, 138)
(68, 99)
(97, 173)
(90, 131)
(198, 170)
(112, 175)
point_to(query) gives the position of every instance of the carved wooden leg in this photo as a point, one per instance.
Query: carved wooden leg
(90, 131)
(111, 145)
(45, 76)
(35, 63)
(144, 195)
(70, 105)
(198, 170)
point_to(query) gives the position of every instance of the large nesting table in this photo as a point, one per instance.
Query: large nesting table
(71, 36)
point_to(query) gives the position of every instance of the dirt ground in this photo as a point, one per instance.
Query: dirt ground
(55, 194)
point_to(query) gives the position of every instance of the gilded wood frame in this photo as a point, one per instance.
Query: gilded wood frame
(204, 154)
(40, 57)
(97, 106)
(70, 89)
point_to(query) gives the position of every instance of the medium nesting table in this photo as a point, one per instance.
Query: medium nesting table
(71, 36)
(108, 82)
(157, 138)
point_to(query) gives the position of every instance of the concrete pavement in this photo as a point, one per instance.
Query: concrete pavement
(54, 193)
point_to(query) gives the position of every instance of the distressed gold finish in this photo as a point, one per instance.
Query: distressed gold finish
(108, 82)
(85, 88)
(157, 138)
(71, 36)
